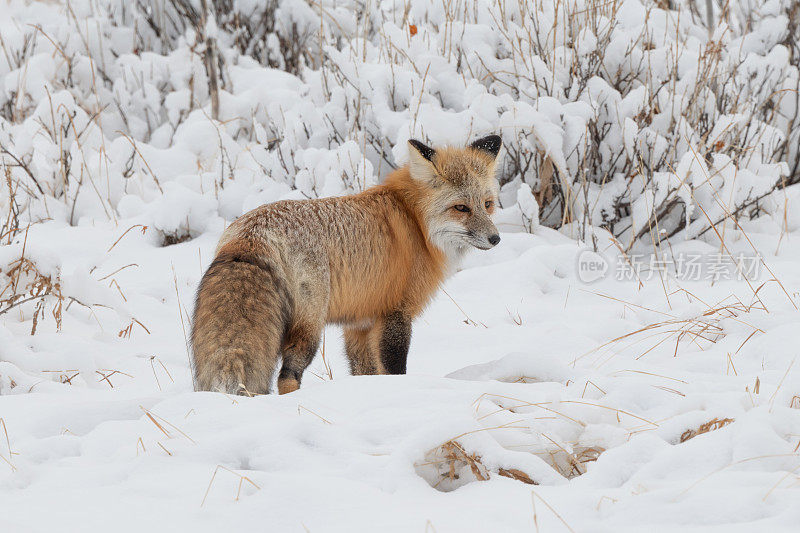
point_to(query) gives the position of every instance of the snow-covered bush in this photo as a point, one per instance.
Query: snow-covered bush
(635, 116)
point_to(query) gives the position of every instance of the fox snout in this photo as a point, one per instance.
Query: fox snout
(486, 243)
(483, 233)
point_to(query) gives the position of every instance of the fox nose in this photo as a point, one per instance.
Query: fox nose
(494, 239)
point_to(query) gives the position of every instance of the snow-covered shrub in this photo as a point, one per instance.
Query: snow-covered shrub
(635, 116)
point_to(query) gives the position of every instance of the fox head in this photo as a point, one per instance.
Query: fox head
(460, 193)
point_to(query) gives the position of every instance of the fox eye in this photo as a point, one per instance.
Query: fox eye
(488, 204)
(461, 207)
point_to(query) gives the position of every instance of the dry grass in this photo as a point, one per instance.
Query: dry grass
(534, 497)
(701, 330)
(165, 425)
(125, 333)
(518, 475)
(25, 283)
(143, 230)
(327, 374)
(711, 425)
(729, 465)
(154, 358)
(9, 459)
(467, 319)
(555, 407)
(570, 464)
(241, 477)
(171, 239)
(578, 459)
(301, 408)
(453, 466)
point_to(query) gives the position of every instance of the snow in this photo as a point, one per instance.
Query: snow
(517, 372)
(584, 353)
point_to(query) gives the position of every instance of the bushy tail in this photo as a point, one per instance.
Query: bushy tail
(241, 312)
(227, 374)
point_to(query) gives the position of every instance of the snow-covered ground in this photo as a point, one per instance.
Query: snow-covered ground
(513, 363)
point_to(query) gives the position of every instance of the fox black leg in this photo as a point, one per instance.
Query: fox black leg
(394, 342)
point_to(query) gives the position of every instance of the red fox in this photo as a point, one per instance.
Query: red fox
(369, 262)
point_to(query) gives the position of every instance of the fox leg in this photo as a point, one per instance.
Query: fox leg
(382, 348)
(395, 339)
(299, 349)
(361, 347)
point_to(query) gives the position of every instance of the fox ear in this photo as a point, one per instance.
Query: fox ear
(490, 144)
(420, 158)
